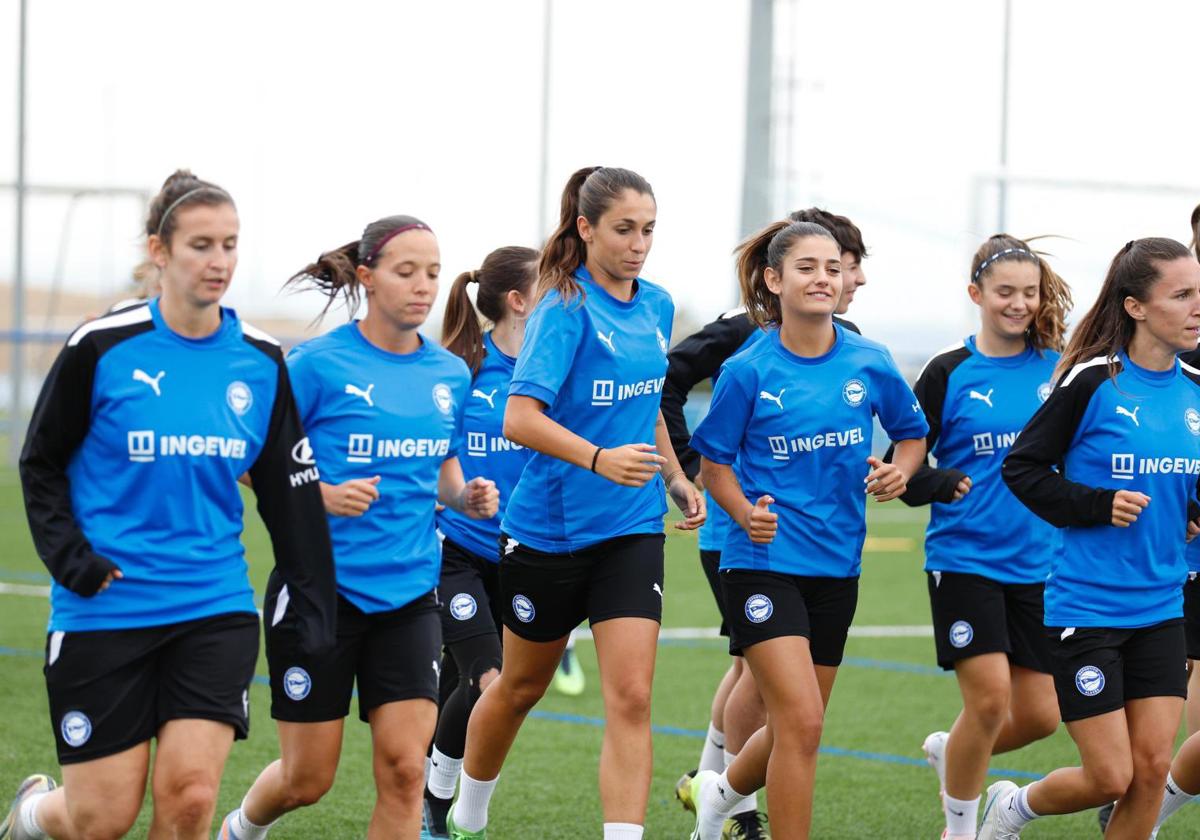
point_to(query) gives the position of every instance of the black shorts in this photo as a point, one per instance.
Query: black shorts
(469, 591)
(1099, 669)
(394, 655)
(1191, 614)
(710, 561)
(114, 689)
(974, 615)
(766, 605)
(545, 596)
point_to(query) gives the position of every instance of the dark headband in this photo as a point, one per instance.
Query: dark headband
(1007, 251)
(390, 235)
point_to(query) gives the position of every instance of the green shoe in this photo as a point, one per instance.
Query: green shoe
(683, 791)
(11, 828)
(568, 676)
(457, 833)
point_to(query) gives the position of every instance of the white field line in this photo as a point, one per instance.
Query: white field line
(866, 631)
(24, 589)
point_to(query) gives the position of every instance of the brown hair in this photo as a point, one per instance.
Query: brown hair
(1048, 331)
(589, 193)
(504, 270)
(845, 232)
(334, 272)
(766, 248)
(1107, 327)
(1196, 230)
(181, 190)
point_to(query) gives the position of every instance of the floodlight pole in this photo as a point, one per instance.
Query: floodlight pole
(1002, 184)
(756, 165)
(544, 173)
(16, 416)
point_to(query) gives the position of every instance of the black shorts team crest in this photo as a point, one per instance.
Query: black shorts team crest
(760, 606)
(974, 615)
(469, 591)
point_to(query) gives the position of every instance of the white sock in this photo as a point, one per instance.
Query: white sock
(750, 801)
(245, 829)
(712, 757)
(471, 809)
(1174, 798)
(962, 815)
(443, 774)
(620, 831)
(718, 801)
(27, 816)
(1015, 812)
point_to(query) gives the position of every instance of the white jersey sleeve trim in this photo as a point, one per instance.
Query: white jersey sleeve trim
(1189, 368)
(958, 345)
(732, 313)
(255, 332)
(1079, 368)
(136, 315)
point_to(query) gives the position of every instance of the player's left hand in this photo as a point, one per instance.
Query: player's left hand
(689, 500)
(1193, 529)
(480, 498)
(885, 481)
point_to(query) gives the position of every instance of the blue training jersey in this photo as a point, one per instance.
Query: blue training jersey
(488, 453)
(800, 431)
(598, 364)
(132, 461)
(1140, 431)
(370, 412)
(976, 406)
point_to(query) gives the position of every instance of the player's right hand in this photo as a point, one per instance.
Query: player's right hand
(350, 498)
(631, 465)
(1127, 506)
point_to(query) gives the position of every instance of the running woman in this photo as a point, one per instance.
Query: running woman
(469, 584)
(737, 709)
(383, 407)
(583, 531)
(986, 554)
(790, 426)
(130, 470)
(1112, 458)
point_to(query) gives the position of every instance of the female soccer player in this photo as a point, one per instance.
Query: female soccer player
(130, 472)
(790, 425)
(582, 533)
(469, 584)
(383, 407)
(737, 709)
(1112, 458)
(986, 581)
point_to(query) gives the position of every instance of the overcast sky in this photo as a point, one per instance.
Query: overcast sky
(321, 117)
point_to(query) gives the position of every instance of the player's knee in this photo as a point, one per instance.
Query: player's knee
(799, 729)
(629, 701)
(104, 821)
(482, 673)
(400, 776)
(990, 707)
(1112, 779)
(188, 805)
(520, 695)
(1150, 768)
(1043, 723)
(306, 785)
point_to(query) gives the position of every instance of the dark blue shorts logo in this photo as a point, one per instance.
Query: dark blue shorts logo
(523, 609)
(297, 683)
(76, 729)
(1089, 680)
(759, 608)
(961, 634)
(463, 606)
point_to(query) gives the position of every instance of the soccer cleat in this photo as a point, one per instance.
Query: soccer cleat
(1104, 814)
(457, 833)
(752, 825)
(934, 748)
(568, 676)
(11, 828)
(227, 832)
(704, 829)
(993, 826)
(683, 791)
(433, 817)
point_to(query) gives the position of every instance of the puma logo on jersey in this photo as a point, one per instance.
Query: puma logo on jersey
(487, 397)
(1132, 415)
(607, 340)
(987, 398)
(657, 589)
(355, 391)
(140, 375)
(778, 400)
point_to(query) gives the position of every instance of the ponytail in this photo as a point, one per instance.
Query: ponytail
(589, 193)
(336, 272)
(1107, 328)
(1196, 231)
(507, 269)
(766, 249)
(1048, 330)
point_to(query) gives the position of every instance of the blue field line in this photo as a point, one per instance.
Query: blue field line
(7, 651)
(892, 665)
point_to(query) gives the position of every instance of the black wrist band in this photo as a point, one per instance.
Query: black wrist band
(596, 457)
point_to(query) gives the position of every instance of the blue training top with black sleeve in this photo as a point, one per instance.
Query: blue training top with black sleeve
(976, 406)
(598, 364)
(1140, 431)
(800, 431)
(369, 413)
(488, 453)
(132, 460)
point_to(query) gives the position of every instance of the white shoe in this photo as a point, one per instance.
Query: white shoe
(993, 826)
(707, 827)
(934, 748)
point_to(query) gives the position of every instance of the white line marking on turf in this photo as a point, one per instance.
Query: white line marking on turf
(866, 631)
(24, 589)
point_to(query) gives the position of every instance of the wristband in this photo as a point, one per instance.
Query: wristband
(596, 457)
(667, 481)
